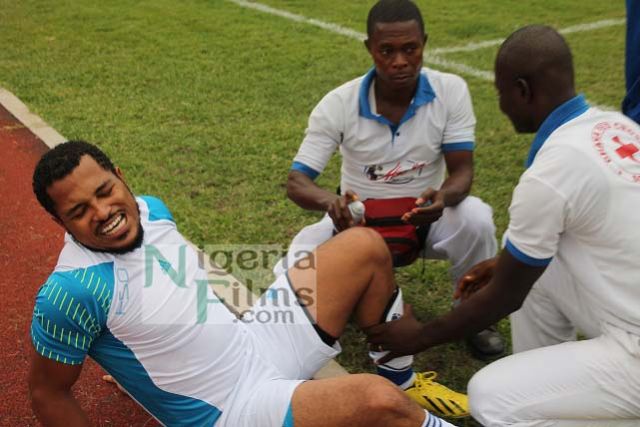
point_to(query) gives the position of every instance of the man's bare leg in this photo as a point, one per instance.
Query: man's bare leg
(363, 400)
(352, 275)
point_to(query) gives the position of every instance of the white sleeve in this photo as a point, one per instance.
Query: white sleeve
(323, 135)
(536, 220)
(459, 132)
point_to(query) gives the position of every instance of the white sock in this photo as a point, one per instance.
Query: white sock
(433, 421)
(398, 370)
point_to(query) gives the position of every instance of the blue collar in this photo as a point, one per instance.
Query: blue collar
(424, 95)
(561, 115)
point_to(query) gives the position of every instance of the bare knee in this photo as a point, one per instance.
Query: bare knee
(369, 244)
(386, 404)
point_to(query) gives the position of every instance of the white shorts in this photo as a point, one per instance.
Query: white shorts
(284, 350)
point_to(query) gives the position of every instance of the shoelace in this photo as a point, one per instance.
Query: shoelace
(427, 377)
(445, 405)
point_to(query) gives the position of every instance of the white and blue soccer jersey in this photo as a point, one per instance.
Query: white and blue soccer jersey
(381, 159)
(578, 202)
(149, 318)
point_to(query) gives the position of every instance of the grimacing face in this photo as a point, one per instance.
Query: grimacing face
(396, 49)
(97, 208)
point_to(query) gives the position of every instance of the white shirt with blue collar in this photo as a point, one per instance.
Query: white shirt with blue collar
(382, 159)
(578, 202)
(149, 318)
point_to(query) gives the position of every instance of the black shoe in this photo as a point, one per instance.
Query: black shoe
(487, 344)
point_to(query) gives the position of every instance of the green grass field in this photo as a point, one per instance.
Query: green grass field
(204, 104)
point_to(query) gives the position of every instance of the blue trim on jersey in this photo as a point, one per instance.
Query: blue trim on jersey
(363, 100)
(396, 377)
(157, 209)
(631, 102)
(170, 408)
(458, 146)
(288, 419)
(561, 115)
(71, 311)
(307, 170)
(524, 258)
(424, 95)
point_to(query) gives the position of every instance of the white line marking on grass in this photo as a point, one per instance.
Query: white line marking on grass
(496, 42)
(594, 25)
(433, 56)
(459, 67)
(470, 47)
(334, 28)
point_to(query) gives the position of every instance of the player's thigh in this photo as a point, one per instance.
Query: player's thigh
(591, 379)
(352, 401)
(264, 402)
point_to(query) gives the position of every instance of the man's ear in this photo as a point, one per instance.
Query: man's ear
(366, 45)
(524, 89)
(119, 173)
(426, 37)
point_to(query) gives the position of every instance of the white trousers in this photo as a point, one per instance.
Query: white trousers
(465, 235)
(553, 380)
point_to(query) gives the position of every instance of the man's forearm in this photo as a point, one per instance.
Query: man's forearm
(480, 311)
(306, 194)
(504, 294)
(455, 190)
(58, 409)
(458, 184)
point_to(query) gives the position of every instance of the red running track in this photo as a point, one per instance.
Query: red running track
(29, 246)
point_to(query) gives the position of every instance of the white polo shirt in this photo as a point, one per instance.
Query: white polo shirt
(579, 201)
(381, 159)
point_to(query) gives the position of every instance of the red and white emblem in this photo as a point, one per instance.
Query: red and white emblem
(619, 146)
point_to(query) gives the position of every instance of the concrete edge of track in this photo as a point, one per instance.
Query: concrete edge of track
(31, 121)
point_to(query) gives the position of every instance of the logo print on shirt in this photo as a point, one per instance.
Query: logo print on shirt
(399, 173)
(618, 144)
(626, 150)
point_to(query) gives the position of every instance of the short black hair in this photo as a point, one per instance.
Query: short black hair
(393, 11)
(59, 162)
(539, 52)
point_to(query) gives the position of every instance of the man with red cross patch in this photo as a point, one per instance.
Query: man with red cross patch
(570, 262)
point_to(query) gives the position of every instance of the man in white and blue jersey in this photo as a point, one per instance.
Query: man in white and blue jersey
(128, 292)
(570, 262)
